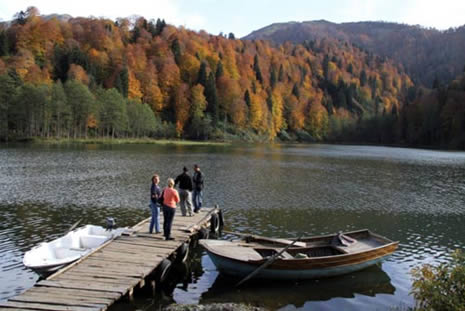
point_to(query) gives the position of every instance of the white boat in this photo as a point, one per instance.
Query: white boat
(48, 257)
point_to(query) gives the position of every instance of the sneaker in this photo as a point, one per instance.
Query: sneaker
(169, 239)
(158, 232)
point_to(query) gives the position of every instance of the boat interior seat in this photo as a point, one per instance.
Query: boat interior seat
(286, 255)
(91, 241)
(65, 252)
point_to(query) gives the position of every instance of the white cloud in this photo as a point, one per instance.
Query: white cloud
(439, 14)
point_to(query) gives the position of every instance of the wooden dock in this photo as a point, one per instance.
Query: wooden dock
(114, 270)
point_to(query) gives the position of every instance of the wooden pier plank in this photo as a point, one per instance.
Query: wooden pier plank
(54, 300)
(42, 290)
(68, 297)
(44, 306)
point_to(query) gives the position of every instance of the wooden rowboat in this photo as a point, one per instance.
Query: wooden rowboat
(309, 258)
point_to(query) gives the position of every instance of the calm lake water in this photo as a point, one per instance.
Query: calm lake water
(414, 196)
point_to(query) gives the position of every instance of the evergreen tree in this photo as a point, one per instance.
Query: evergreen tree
(176, 49)
(7, 93)
(20, 18)
(61, 111)
(326, 66)
(350, 68)
(122, 82)
(219, 71)
(4, 46)
(202, 75)
(363, 78)
(212, 98)
(247, 98)
(256, 68)
(281, 73)
(295, 90)
(160, 25)
(273, 77)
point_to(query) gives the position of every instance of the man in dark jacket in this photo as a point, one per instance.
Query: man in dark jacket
(198, 187)
(185, 189)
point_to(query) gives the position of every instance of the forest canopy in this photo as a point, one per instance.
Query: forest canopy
(89, 77)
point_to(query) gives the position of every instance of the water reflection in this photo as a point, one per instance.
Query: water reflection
(369, 282)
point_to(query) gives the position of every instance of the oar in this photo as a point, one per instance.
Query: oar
(74, 225)
(264, 238)
(267, 263)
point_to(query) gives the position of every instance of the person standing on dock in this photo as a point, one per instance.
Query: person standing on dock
(155, 194)
(185, 191)
(170, 199)
(198, 187)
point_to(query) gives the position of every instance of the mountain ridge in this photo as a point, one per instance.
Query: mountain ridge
(425, 53)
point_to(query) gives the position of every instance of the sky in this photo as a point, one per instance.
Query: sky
(241, 17)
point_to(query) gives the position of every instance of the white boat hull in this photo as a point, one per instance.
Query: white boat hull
(51, 256)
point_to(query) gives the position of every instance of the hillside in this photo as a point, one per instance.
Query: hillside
(82, 77)
(424, 53)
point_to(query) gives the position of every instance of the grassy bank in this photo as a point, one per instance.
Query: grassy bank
(121, 141)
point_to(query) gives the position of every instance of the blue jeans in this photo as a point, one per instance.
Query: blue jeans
(155, 217)
(168, 216)
(197, 198)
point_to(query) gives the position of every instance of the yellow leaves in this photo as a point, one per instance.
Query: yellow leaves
(297, 113)
(229, 62)
(238, 112)
(256, 112)
(134, 91)
(36, 76)
(181, 107)
(198, 101)
(78, 73)
(22, 62)
(318, 120)
(91, 122)
(189, 67)
(276, 113)
(137, 60)
(99, 57)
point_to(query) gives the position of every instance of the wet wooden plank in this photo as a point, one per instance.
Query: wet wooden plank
(98, 281)
(85, 293)
(54, 300)
(83, 285)
(43, 306)
(115, 272)
(67, 297)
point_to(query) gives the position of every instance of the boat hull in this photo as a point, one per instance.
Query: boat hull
(241, 269)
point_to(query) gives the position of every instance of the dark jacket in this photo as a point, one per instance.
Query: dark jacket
(184, 181)
(155, 191)
(198, 180)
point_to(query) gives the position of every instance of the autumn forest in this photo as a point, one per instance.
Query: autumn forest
(89, 77)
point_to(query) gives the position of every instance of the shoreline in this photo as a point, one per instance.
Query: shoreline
(183, 142)
(115, 141)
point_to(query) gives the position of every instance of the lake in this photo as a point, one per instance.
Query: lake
(413, 196)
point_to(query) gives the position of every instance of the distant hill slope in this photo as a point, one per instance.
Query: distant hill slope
(424, 53)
